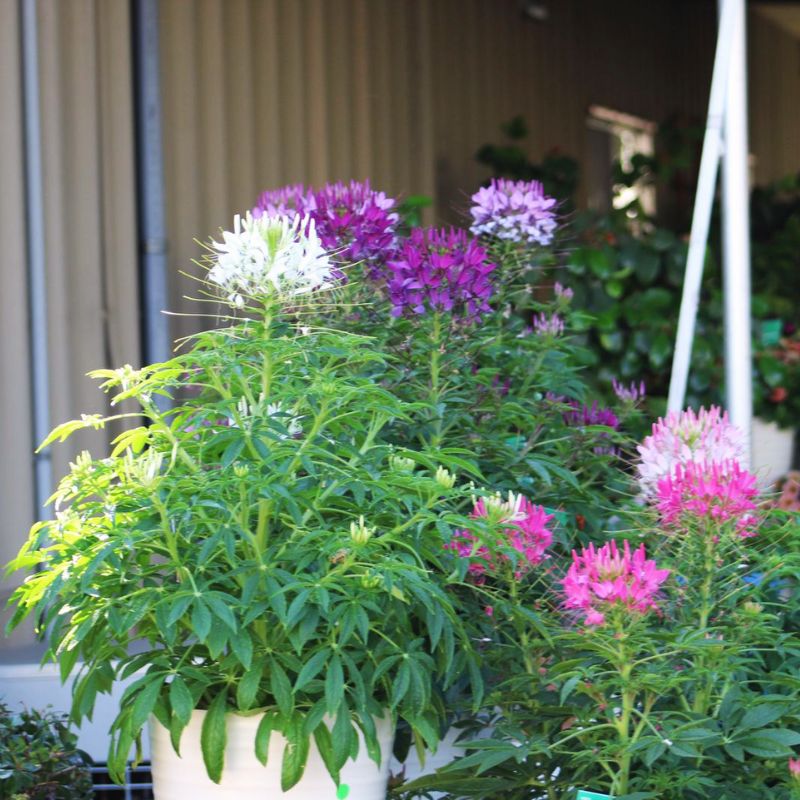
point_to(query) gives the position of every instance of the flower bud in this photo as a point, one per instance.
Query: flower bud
(371, 581)
(401, 464)
(445, 478)
(359, 532)
(241, 470)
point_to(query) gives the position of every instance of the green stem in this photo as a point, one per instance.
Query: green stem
(520, 627)
(435, 392)
(702, 696)
(623, 724)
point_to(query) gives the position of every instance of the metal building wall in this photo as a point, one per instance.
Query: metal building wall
(90, 242)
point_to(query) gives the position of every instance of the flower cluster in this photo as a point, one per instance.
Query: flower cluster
(719, 493)
(440, 270)
(629, 394)
(285, 201)
(548, 324)
(599, 580)
(580, 415)
(563, 293)
(524, 529)
(515, 211)
(354, 222)
(705, 437)
(794, 770)
(270, 257)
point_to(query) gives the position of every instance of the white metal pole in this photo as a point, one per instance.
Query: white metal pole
(736, 235)
(709, 161)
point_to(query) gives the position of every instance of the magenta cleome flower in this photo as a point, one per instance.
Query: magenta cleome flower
(794, 769)
(515, 211)
(440, 270)
(601, 580)
(353, 221)
(717, 493)
(524, 529)
(705, 437)
(356, 222)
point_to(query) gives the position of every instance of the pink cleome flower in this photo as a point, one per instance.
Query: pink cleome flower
(794, 768)
(705, 437)
(719, 493)
(600, 579)
(524, 527)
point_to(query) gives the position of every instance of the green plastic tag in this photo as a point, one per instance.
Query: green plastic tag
(584, 795)
(771, 331)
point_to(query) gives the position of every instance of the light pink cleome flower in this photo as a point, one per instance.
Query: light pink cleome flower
(524, 529)
(600, 579)
(794, 768)
(706, 437)
(720, 493)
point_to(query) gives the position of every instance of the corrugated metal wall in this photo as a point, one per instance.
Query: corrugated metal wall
(774, 99)
(89, 179)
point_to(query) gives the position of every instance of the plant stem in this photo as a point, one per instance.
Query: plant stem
(435, 393)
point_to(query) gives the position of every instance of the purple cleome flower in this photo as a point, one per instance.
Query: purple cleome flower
(548, 324)
(563, 292)
(515, 211)
(282, 202)
(440, 270)
(582, 414)
(590, 415)
(629, 394)
(354, 222)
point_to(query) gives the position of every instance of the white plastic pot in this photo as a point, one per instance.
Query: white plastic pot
(184, 777)
(773, 449)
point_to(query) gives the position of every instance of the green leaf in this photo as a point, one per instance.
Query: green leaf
(660, 350)
(221, 609)
(735, 751)
(180, 699)
(401, 684)
(247, 690)
(568, 687)
(764, 745)
(178, 608)
(322, 737)
(281, 688)
(761, 715)
(232, 452)
(334, 684)
(342, 735)
(242, 646)
(296, 753)
(600, 263)
(145, 700)
(201, 620)
(213, 736)
(310, 669)
(265, 728)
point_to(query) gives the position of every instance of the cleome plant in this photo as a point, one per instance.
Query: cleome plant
(253, 545)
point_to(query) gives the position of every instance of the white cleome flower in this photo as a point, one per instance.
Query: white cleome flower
(270, 256)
